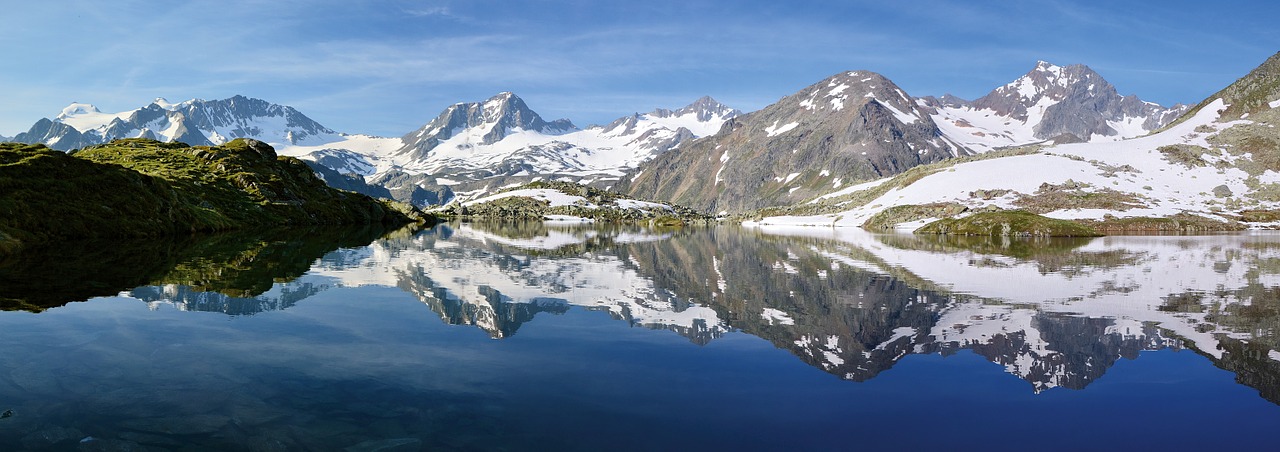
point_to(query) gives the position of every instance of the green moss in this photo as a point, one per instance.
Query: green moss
(1008, 223)
(1187, 155)
(1259, 216)
(1074, 195)
(137, 188)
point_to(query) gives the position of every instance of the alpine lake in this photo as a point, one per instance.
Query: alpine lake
(538, 336)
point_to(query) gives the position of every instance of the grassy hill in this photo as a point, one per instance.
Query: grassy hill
(139, 188)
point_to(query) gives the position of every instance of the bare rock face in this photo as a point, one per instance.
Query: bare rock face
(850, 127)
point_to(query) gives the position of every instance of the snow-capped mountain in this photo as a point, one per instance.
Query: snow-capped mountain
(852, 126)
(473, 148)
(463, 127)
(1215, 163)
(195, 122)
(1062, 104)
(503, 137)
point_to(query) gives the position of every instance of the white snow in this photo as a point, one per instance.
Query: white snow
(776, 317)
(786, 179)
(898, 333)
(902, 117)
(567, 219)
(642, 205)
(556, 198)
(86, 117)
(774, 130)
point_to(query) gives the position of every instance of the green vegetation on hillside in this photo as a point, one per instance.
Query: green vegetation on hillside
(1180, 223)
(139, 188)
(599, 205)
(1008, 223)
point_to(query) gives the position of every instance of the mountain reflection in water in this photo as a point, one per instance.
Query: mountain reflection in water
(1055, 313)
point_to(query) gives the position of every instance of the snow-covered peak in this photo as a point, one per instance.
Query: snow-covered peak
(1048, 80)
(165, 104)
(195, 122)
(1045, 66)
(78, 109)
(85, 117)
(854, 88)
(1050, 102)
(704, 109)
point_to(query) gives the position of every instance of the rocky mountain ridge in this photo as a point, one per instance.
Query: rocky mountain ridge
(195, 122)
(853, 126)
(474, 149)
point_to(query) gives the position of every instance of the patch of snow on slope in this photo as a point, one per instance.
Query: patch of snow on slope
(776, 317)
(555, 197)
(642, 205)
(786, 179)
(774, 130)
(902, 117)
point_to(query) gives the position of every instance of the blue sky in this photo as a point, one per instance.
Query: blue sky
(387, 67)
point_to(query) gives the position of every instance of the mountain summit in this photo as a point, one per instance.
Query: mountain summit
(1051, 102)
(852, 126)
(466, 125)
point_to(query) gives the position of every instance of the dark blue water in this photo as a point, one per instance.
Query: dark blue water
(594, 339)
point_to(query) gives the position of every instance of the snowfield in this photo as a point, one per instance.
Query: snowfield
(1134, 166)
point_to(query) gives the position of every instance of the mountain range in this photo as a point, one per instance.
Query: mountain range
(1212, 167)
(852, 127)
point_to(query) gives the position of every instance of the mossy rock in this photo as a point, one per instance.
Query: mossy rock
(1180, 223)
(1260, 216)
(1016, 223)
(889, 218)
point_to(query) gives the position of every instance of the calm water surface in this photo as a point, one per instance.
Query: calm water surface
(528, 336)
